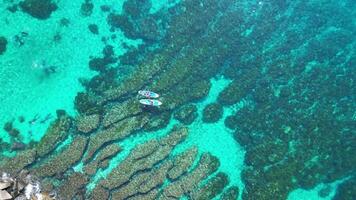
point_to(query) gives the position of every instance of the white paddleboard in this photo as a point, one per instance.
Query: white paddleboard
(150, 102)
(148, 94)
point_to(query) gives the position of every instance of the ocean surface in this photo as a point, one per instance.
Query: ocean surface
(258, 98)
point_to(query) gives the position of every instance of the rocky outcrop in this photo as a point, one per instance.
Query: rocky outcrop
(57, 132)
(142, 158)
(189, 182)
(73, 185)
(100, 160)
(212, 113)
(121, 111)
(186, 114)
(212, 188)
(118, 131)
(58, 164)
(21, 161)
(182, 163)
(87, 123)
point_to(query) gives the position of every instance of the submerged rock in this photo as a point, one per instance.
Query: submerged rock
(105, 154)
(56, 133)
(231, 193)
(16, 146)
(86, 8)
(346, 190)
(88, 123)
(72, 185)
(93, 28)
(16, 164)
(157, 122)
(188, 183)
(85, 104)
(212, 113)
(3, 44)
(182, 163)
(40, 9)
(60, 163)
(212, 188)
(116, 132)
(186, 114)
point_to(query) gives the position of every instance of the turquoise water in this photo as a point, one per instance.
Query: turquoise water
(269, 88)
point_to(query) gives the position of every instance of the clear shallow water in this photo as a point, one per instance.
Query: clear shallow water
(288, 68)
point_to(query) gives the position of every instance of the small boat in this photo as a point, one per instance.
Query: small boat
(148, 94)
(150, 102)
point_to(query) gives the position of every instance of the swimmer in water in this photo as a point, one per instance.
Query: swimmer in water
(48, 116)
(33, 121)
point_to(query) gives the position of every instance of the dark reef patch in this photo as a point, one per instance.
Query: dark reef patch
(40, 9)
(186, 114)
(86, 9)
(3, 44)
(137, 23)
(93, 28)
(212, 113)
(346, 190)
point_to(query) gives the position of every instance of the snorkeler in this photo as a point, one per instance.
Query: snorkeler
(48, 70)
(48, 116)
(34, 119)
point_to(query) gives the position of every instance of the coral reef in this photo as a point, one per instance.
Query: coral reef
(88, 123)
(3, 44)
(230, 194)
(86, 8)
(40, 9)
(186, 114)
(296, 124)
(346, 190)
(56, 165)
(57, 132)
(212, 113)
(93, 28)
